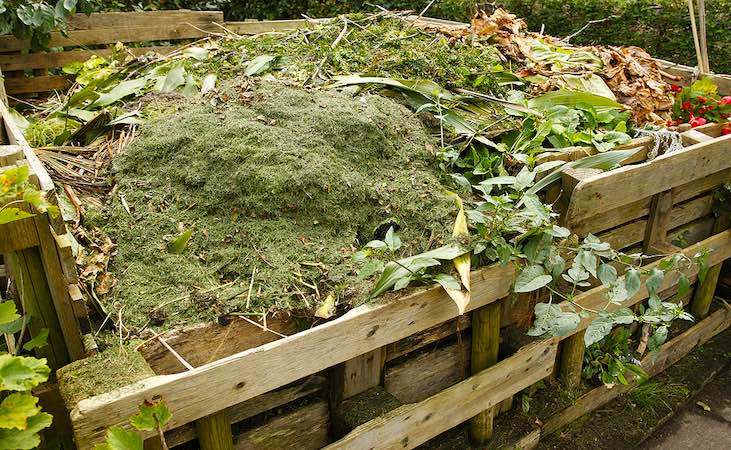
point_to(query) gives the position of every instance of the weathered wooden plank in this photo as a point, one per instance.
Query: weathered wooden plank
(252, 407)
(265, 26)
(203, 343)
(424, 375)
(214, 432)
(411, 425)
(29, 85)
(134, 19)
(66, 255)
(305, 428)
(619, 187)
(484, 354)
(658, 222)
(705, 290)
(237, 378)
(58, 286)
(428, 336)
(15, 136)
(362, 372)
(694, 136)
(49, 60)
(18, 235)
(10, 154)
(634, 232)
(81, 38)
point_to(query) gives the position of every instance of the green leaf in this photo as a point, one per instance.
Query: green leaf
(394, 272)
(14, 439)
(199, 53)
(8, 312)
(39, 340)
(552, 321)
(654, 281)
(657, 339)
(22, 373)
(532, 278)
(587, 260)
(151, 415)
(574, 100)
(258, 65)
(448, 281)
(623, 316)
(632, 282)
(8, 215)
(607, 274)
(392, 240)
(173, 80)
(597, 330)
(683, 285)
(178, 245)
(603, 161)
(120, 91)
(369, 269)
(16, 409)
(119, 439)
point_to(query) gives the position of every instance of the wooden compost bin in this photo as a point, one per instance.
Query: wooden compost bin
(290, 392)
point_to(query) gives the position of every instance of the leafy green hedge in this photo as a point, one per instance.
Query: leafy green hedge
(660, 26)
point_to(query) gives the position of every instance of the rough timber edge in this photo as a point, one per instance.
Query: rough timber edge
(223, 383)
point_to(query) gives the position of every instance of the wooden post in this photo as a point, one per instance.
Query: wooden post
(572, 359)
(656, 231)
(485, 345)
(214, 432)
(704, 292)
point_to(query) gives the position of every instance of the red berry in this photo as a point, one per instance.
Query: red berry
(686, 105)
(726, 131)
(675, 88)
(697, 121)
(701, 99)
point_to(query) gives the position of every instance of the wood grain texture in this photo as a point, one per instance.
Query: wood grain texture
(411, 425)
(29, 85)
(572, 360)
(622, 186)
(239, 377)
(18, 235)
(424, 375)
(305, 428)
(426, 337)
(658, 221)
(265, 26)
(50, 60)
(363, 372)
(485, 346)
(15, 136)
(214, 432)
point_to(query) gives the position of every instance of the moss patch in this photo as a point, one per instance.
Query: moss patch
(103, 372)
(279, 181)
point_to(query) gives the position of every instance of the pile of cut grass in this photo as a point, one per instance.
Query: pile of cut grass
(279, 182)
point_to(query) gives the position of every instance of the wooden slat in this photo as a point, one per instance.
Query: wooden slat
(304, 428)
(137, 19)
(658, 222)
(51, 60)
(18, 235)
(622, 186)
(231, 380)
(427, 337)
(29, 85)
(362, 372)
(113, 35)
(66, 254)
(265, 26)
(411, 425)
(15, 136)
(634, 232)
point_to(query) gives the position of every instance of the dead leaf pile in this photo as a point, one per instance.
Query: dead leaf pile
(95, 250)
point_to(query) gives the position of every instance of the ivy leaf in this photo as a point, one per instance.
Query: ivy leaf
(551, 320)
(22, 373)
(632, 282)
(39, 340)
(607, 274)
(12, 438)
(448, 281)
(532, 278)
(597, 330)
(151, 415)
(16, 409)
(657, 339)
(8, 312)
(119, 439)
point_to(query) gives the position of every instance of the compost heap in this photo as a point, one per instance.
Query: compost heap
(279, 186)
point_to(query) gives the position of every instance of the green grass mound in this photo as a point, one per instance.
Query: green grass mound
(279, 182)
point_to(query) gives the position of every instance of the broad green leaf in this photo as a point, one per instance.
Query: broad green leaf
(8, 312)
(22, 373)
(153, 414)
(177, 245)
(597, 330)
(258, 65)
(607, 274)
(16, 409)
(603, 161)
(573, 100)
(587, 260)
(448, 281)
(14, 439)
(120, 439)
(683, 285)
(392, 240)
(209, 83)
(654, 281)
(623, 316)
(657, 339)
(394, 272)
(120, 91)
(552, 321)
(12, 327)
(369, 269)
(632, 282)
(401, 283)
(39, 340)
(531, 279)
(376, 244)
(173, 80)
